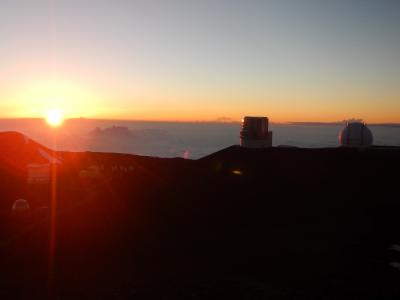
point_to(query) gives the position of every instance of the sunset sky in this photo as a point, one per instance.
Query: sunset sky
(298, 60)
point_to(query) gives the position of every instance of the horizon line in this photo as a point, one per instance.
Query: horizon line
(202, 121)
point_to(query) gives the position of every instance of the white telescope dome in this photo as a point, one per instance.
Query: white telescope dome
(20, 206)
(355, 134)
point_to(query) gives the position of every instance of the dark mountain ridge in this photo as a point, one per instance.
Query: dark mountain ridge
(281, 223)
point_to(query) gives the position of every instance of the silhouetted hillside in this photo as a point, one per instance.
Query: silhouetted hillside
(278, 223)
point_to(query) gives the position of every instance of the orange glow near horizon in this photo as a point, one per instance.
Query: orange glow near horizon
(54, 117)
(77, 98)
(33, 99)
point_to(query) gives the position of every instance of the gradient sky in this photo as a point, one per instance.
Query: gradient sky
(298, 60)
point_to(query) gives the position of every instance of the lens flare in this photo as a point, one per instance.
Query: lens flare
(54, 117)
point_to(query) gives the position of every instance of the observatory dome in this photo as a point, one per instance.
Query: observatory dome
(355, 134)
(20, 206)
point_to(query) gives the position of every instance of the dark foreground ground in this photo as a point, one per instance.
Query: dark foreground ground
(279, 223)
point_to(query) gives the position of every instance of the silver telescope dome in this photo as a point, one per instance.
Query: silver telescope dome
(355, 134)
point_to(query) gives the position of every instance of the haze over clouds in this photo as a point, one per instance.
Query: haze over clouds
(177, 139)
(198, 60)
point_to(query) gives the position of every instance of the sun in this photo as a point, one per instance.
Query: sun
(54, 117)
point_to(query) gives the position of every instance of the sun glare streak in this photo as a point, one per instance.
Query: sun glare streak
(53, 220)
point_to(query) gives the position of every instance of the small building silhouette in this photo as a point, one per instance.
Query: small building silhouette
(254, 133)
